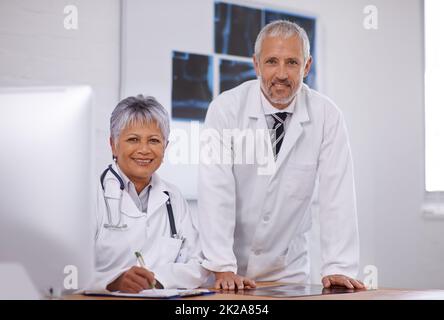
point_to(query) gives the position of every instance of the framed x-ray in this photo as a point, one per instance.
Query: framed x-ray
(184, 53)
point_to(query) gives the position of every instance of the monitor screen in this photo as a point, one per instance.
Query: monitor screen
(46, 137)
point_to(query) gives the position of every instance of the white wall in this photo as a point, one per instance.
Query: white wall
(36, 49)
(375, 76)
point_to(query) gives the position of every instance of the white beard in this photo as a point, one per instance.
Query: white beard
(285, 100)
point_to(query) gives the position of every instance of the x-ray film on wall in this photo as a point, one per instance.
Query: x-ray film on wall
(185, 53)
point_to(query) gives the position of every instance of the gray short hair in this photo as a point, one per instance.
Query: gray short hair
(285, 29)
(139, 109)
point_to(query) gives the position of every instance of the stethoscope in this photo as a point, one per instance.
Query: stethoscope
(119, 226)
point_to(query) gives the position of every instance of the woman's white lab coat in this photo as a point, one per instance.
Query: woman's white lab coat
(254, 217)
(176, 263)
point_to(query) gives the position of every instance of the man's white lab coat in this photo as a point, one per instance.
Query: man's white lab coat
(254, 218)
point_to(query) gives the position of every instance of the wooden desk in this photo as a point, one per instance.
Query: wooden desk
(380, 294)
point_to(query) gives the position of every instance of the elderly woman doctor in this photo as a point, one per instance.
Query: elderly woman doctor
(139, 212)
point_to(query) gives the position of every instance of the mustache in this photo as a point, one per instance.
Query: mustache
(281, 82)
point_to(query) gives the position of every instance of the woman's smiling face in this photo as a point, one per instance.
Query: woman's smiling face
(139, 149)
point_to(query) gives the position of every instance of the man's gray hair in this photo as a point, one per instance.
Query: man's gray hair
(285, 29)
(139, 109)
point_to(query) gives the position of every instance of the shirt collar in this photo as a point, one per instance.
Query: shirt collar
(269, 109)
(129, 185)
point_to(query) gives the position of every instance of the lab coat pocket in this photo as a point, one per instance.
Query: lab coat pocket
(300, 180)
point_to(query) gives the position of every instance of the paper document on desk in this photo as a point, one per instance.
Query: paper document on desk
(153, 293)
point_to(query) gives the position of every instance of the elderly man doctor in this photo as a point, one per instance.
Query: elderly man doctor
(253, 224)
(137, 211)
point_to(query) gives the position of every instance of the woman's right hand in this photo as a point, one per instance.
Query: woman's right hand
(134, 280)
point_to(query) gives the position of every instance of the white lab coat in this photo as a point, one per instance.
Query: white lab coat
(176, 263)
(256, 224)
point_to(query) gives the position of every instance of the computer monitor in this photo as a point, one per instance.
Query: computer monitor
(46, 192)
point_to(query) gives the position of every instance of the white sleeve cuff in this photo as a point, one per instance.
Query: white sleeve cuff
(219, 268)
(350, 272)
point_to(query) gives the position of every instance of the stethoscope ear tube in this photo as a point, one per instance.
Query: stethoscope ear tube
(102, 177)
(110, 224)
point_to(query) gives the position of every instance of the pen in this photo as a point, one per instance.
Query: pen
(141, 263)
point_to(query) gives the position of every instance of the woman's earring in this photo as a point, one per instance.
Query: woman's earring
(114, 158)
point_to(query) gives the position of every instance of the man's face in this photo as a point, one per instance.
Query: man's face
(281, 69)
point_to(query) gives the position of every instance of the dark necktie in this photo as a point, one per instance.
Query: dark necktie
(278, 127)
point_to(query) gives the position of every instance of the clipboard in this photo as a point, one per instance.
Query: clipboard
(152, 293)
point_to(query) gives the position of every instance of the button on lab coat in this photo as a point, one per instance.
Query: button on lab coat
(176, 263)
(256, 224)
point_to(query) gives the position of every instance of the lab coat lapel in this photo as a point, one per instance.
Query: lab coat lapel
(254, 107)
(156, 199)
(295, 130)
(257, 120)
(129, 208)
(157, 196)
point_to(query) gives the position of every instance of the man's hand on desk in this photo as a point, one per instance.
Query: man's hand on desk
(341, 280)
(231, 281)
(134, 280)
